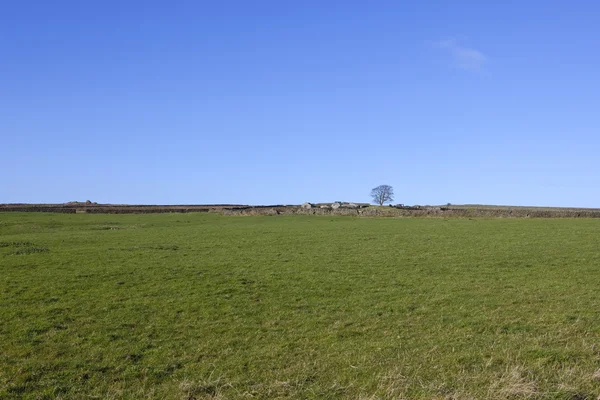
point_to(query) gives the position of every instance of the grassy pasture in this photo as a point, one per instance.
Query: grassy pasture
(194, 306)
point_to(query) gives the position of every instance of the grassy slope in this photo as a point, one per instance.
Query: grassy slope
(199, 306)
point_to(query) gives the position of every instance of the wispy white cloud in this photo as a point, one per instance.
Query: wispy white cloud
(462, 57)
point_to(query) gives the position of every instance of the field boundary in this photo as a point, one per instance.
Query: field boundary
(244, 210)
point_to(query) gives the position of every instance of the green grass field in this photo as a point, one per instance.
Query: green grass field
(194, 306)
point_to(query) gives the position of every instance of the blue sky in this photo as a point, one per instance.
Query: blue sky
(281, 102)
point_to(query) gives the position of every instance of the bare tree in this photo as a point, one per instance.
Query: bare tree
(382, 194)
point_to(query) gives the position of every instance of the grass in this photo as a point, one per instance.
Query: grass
(195, 306)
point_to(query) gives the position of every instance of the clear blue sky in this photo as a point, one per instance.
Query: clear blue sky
(269, 102)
